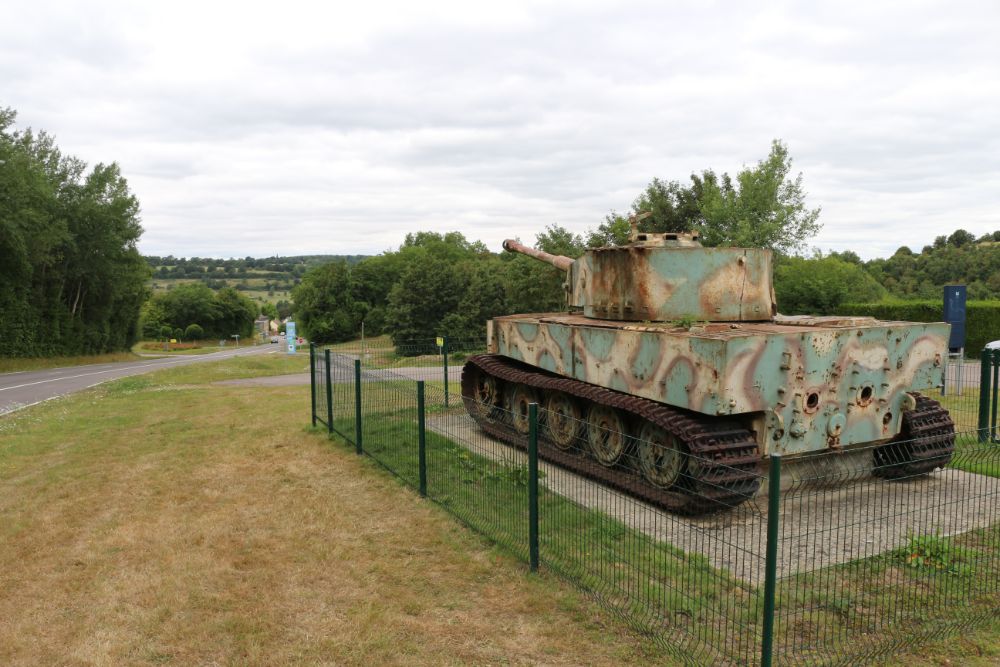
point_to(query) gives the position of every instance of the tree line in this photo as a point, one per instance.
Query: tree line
(71, 279)
(445, 283)
(193, 311)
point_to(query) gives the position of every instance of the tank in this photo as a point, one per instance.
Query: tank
(671, 376)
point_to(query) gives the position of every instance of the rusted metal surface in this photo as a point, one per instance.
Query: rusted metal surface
(815, 387)
(799, 384)
(558, 261)
(667, 277)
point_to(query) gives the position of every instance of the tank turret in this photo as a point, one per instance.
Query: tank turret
(664, 278)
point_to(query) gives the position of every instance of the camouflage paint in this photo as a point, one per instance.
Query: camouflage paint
(641, 283)
(761, 373)
(802, 384)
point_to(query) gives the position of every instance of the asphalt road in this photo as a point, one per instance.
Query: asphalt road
(19, 390)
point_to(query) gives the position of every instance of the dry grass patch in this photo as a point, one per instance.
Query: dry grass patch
(187, 525)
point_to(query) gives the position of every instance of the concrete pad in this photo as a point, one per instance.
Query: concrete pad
(820, 527)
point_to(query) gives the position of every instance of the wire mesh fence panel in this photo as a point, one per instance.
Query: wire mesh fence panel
(873, 552)
(414, 353)
(872, 563)
(960, 392)
(319, 386)
(342, 390)
(480, 480)
(389, 422)
(669, 563)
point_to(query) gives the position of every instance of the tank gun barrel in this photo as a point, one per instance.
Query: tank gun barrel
(558, 261)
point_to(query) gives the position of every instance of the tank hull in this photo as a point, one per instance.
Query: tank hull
(799, 384)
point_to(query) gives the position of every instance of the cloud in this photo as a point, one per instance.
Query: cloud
(258, 129)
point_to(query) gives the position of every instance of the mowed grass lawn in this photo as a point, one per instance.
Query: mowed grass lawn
(163, 519)
(156, 520)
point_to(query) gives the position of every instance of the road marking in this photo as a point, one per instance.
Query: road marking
(113, 370)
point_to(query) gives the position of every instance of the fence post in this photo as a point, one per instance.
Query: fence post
(312, 379)
(421, 439)
(985, 361)
(329, 395)
(533, 486)
(357, 406)
(994, 385)
(771, 558)
(444, 351)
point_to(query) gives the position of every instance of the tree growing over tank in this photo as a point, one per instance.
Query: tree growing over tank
(761, 207)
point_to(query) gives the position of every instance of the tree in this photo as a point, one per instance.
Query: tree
(429, 289)
(71, 278)
(816, 286)
(484, 298)
(613, 231)
(674, 208)
(194, 332)
(269, 310)
(324, 305)
(762, 208)
(557, 240)
(236, 313)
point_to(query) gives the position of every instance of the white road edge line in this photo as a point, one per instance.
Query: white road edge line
(110, 370)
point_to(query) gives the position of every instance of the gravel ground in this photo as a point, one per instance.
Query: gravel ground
(819, 526)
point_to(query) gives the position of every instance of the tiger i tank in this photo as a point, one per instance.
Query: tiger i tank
(671, 377)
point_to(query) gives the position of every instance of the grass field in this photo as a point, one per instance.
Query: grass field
(162, 519)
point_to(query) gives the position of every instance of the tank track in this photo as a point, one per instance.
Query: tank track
(926, 441)
(727, 473)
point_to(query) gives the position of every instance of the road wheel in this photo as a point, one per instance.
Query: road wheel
(606, 434)
(485, 395)
(518, 398)
(563, 419)
(661, 455)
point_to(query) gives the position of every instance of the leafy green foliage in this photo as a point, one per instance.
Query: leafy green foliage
(71, 279)
(219, 314)
(194, 332)
(819, 285)
(762, 207)
(325, 307)
(936, 554)
(957, 259)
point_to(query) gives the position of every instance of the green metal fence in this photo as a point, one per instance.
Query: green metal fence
(827, 564)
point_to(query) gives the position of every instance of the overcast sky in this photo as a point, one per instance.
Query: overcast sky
(303, 128)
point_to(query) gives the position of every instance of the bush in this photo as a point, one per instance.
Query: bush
(982, 318)
(194, 332)
(178, 333)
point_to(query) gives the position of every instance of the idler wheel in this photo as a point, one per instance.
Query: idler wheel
(562, 420)
(486, 395)
(661, 455)
(519, 397)
(606, 434)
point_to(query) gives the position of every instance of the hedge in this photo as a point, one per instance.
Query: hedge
(982, 318)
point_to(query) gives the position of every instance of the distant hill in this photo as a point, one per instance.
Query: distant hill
(267, 279)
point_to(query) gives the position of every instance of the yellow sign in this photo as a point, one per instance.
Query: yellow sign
(440, 341)
(173, 340)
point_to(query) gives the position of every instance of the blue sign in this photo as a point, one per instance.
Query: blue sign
(954, 314)
(290, 336)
